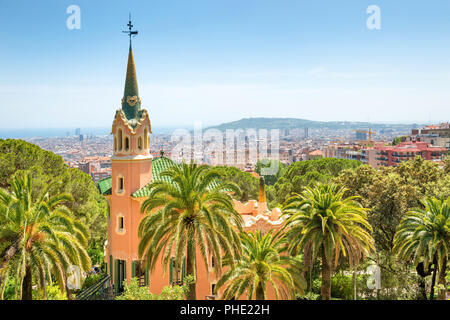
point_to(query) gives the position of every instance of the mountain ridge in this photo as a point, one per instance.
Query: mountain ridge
(297, 123)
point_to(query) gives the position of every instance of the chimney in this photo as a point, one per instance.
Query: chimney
(262, 191)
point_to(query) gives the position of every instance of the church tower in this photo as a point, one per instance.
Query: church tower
(131, 171)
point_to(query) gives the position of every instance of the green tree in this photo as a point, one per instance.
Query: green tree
(262, 263)
(389, 193)
(88, 206)
(192, 212)
(302, 174)
(20, 155)
(424, 235)
(322, 221)
(43, 240)
(276, 165)
(397, 140)
(247, 183)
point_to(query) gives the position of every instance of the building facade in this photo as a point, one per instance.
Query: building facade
(404, 151)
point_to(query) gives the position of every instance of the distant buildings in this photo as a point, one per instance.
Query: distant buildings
(97, 167)
(393, 155)
(436, 135)
(316, 154)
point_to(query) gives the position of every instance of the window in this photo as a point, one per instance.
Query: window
(120, 184)
(140, 143)
(119, 138)
(213, 289)
(145, 138)
(127, 144)
(212, 262)
(120, 224)
(177, 272)
(139, 273)
(115, 143)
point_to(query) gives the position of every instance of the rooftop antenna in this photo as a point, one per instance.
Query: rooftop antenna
(130, 31)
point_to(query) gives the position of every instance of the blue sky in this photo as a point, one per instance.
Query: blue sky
(217, 61)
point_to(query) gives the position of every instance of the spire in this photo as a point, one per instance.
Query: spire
(131, 103)
(262, 191)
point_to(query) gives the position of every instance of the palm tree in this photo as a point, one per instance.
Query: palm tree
(41, 238)
(322, 221)
(424, 236)
(262, 263)
(190, 210)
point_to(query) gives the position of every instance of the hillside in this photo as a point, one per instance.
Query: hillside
(293, 123)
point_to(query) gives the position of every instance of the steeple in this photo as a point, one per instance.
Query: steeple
(131, 103)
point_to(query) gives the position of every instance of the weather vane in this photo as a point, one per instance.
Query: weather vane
(130, 31)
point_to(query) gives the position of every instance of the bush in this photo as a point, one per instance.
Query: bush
(54, 292)
(132, 291)
(342, 286)
(91, 280)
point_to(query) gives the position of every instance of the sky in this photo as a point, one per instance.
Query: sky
(216, 61)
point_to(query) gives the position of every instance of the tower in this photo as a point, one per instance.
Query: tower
(131, 166)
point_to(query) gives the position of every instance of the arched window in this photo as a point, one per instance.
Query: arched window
(140, 143)
(127, 143)
(145, 138)
(115, 143)
(119, 138)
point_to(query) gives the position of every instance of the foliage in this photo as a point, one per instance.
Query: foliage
(270, 180)
(91, 280)
(43, 240)
(262, 263)
(96, 253)
(20, 155)
(302, 174)
(193, 211)
(397, 140)
(88, 206)
(424, 235)
(342, 286)
(247, 183)
(389, 193)
(132, 291)
(54, 292)
(322, 221)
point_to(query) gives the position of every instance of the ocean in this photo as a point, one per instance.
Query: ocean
(49, 132)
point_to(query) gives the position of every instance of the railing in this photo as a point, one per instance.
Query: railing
(102, 290)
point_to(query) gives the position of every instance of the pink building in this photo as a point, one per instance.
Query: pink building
(393, 155)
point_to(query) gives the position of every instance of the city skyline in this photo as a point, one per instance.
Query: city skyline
(218, 63)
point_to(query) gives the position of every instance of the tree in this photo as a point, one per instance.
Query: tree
(247, 183)
(20, 155)
(389, 193)
(277, 165)
(88, 206)
(43, 240)
(262, 263)
(194, 212)
(322, 221)
(302, 174)
(424, 235)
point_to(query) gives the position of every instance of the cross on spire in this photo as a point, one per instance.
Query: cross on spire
(130, 31)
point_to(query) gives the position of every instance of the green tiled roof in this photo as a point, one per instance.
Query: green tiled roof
(159, 165)
(105, 186)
